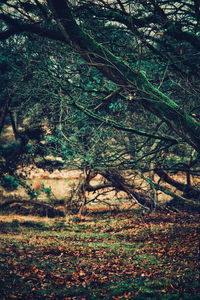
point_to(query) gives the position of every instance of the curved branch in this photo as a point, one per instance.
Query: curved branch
(132, 22)
(16, 27)
(122, 127)
(114, 14)
(90, 188)
(188, 190)
(167, 192)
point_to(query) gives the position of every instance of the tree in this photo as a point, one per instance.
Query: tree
(156, 58)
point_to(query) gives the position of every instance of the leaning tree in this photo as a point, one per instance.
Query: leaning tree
(123, 76)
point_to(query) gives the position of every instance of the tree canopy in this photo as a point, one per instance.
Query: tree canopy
(115, 82)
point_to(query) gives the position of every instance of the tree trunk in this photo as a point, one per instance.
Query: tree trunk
(120, 183)
(4, 112)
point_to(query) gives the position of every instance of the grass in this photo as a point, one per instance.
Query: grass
(100, 256)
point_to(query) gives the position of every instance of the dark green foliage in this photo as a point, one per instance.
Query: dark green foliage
(33, 194)
(134, 63)
(9, 183)
(10, 151)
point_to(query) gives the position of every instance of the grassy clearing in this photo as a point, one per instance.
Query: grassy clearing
(101, 256)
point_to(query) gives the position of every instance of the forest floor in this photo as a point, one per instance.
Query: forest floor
(104, 255)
